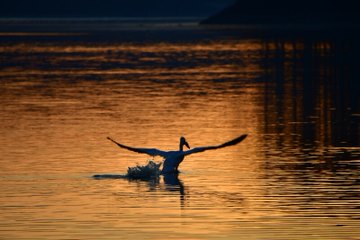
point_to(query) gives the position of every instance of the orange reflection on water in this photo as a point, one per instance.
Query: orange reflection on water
(58, 111)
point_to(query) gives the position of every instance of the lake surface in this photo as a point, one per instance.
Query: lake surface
(296, 176)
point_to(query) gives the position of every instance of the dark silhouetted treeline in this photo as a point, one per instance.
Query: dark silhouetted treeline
(111, 8)
(285, 11)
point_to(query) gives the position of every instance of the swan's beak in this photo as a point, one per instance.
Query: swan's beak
(187, 145)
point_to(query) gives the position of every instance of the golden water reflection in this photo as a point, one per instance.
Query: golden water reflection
(296, 175)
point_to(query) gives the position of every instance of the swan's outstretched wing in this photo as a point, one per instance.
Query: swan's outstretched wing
(229, 143)
(149, 151)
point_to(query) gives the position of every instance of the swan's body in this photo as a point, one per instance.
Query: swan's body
(172, 159)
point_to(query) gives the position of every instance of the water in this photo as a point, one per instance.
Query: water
(296, 176)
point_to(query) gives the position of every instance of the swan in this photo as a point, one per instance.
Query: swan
(172, 159)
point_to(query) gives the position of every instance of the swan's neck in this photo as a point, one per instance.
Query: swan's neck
(181, 147)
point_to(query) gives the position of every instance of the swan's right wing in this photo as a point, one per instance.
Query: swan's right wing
(149, 151)
(229, 143)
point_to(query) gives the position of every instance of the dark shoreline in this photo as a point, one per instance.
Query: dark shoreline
(114, 25)
(306, 12)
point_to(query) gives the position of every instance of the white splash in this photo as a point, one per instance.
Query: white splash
(140, 172)
(148, 171)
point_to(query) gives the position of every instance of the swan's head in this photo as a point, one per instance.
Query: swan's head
(184, 142)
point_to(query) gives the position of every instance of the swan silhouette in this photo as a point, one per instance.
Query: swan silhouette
(174, 158)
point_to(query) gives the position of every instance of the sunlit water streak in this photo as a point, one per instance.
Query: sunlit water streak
(295, 177)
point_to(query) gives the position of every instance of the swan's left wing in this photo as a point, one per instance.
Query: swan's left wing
(149, 151)
(229, 143)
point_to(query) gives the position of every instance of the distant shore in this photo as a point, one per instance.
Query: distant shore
(281, 12)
